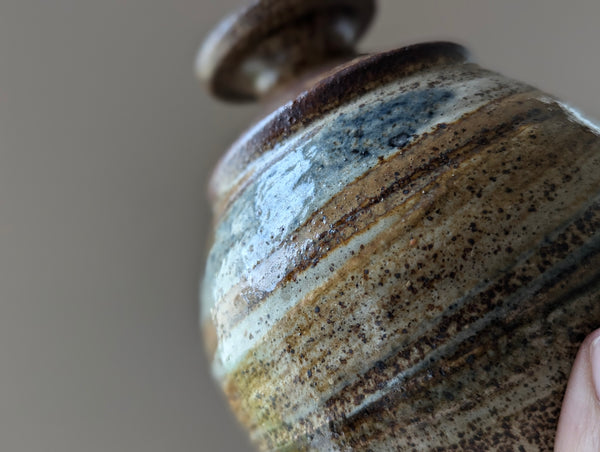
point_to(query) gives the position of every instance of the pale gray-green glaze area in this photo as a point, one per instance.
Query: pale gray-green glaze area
(315, 165)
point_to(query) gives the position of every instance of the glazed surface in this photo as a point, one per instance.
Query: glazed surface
(393, 275)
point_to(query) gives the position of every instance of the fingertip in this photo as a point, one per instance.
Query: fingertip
(579, 423)
(595, 361)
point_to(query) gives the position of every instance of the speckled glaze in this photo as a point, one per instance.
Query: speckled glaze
(405, 257)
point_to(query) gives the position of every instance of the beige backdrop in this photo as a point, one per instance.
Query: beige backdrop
(106, 143)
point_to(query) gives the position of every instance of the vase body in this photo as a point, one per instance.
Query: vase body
(412, 267)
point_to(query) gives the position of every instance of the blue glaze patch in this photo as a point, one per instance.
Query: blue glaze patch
(370, 132)
(313, 170)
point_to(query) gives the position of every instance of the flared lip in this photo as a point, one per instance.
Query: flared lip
(335, 88)
(234, 40)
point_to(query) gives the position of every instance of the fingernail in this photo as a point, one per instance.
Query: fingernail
(595, 360)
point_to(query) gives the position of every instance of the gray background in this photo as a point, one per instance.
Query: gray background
(106, 142)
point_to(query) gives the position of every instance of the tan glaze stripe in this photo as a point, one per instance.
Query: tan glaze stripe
(391, 183)
(522, 170)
